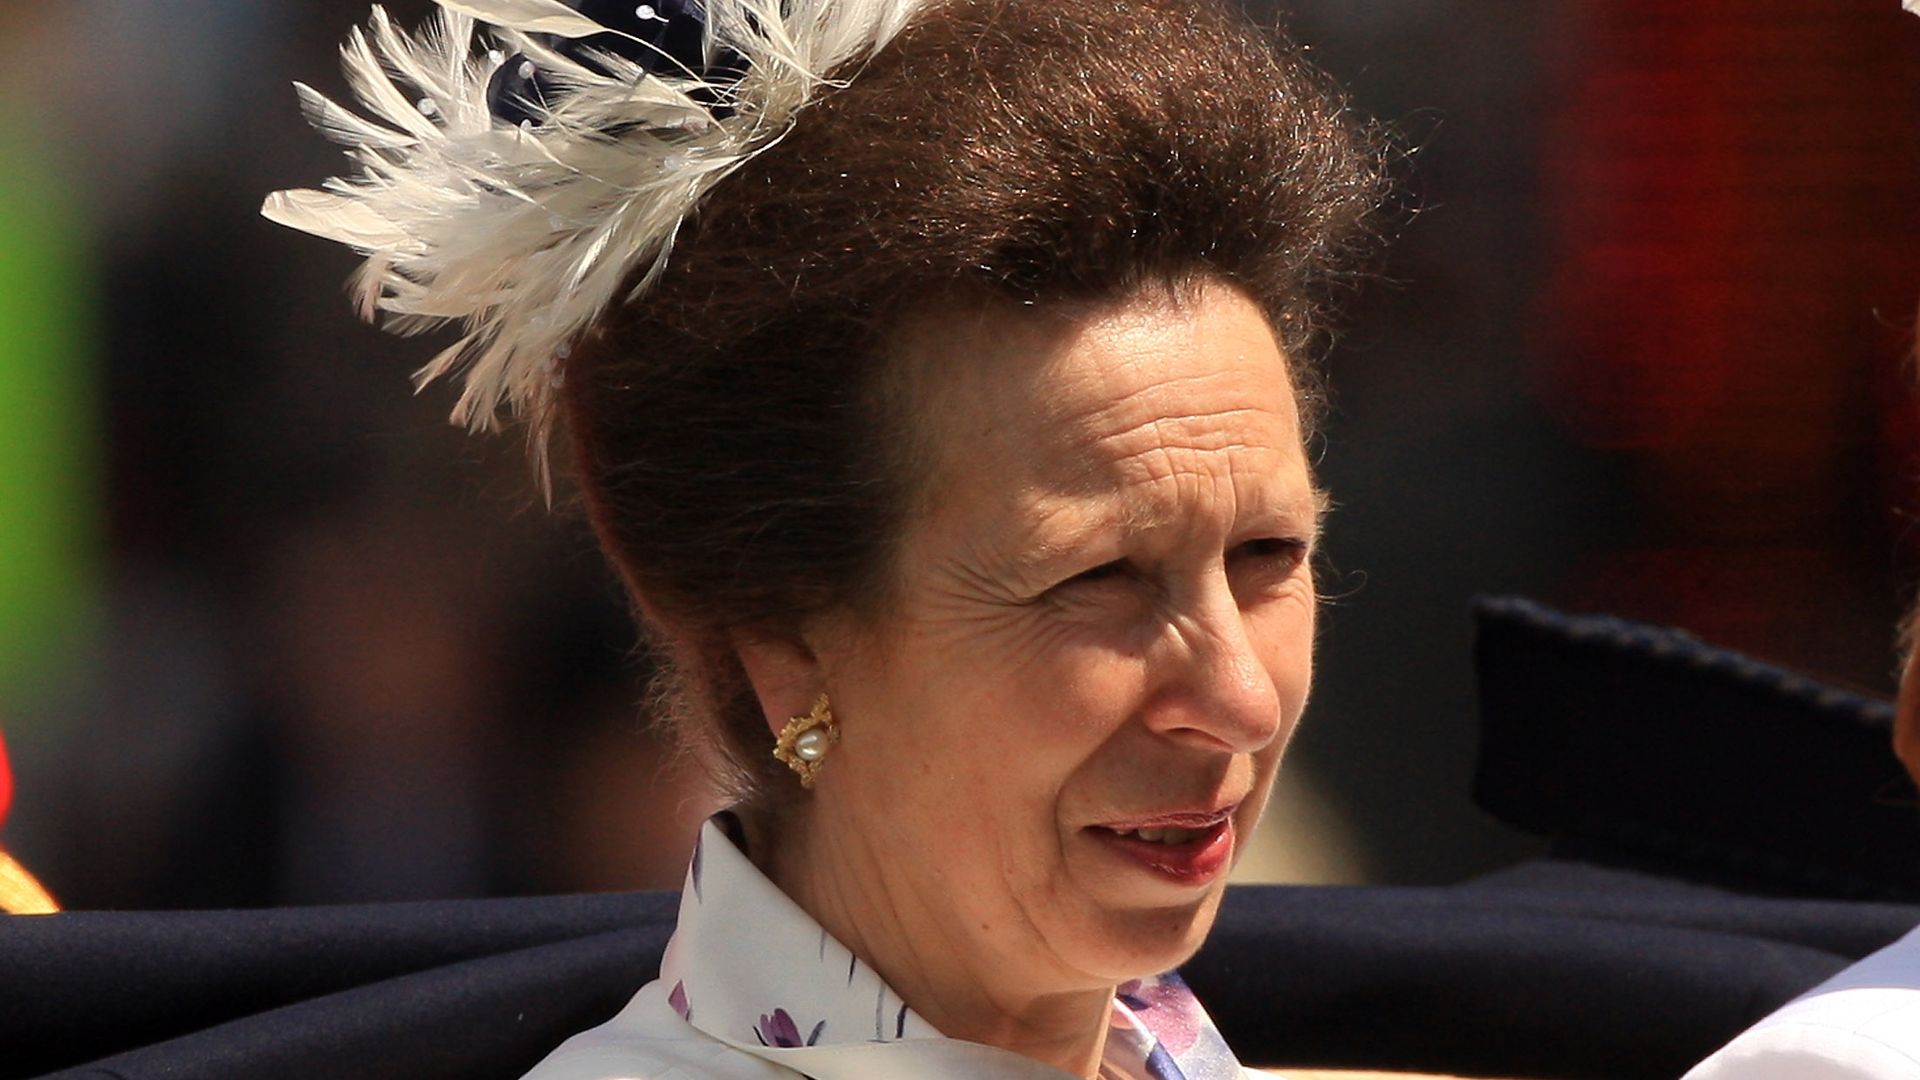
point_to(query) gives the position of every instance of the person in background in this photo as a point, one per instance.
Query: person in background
(1864, 1023)
(20, 892)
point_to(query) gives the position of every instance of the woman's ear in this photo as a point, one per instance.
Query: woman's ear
(785, 674)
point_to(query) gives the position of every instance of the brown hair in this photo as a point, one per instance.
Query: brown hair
(740, 453)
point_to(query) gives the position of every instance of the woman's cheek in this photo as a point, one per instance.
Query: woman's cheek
(1049, 654)
(1285, 627)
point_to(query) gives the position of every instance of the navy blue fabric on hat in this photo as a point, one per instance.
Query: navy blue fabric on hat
(665, 37)
(671, 35)
(1645, 746)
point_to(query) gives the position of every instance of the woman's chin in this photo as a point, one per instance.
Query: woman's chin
(1130, 941)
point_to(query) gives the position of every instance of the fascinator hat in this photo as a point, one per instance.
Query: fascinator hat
(523, 165)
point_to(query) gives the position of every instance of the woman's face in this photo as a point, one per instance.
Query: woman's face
(1065, 725)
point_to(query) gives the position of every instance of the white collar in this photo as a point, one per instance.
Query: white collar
(748, 967)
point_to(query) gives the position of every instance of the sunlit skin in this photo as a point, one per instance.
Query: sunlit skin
(1104, 611)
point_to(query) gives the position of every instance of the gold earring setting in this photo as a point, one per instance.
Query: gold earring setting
(804, 742)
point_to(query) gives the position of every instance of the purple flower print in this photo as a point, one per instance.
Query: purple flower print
(1166, 1008)
(678, 999)
(780, 1030)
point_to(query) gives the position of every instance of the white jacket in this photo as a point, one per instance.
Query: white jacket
(1862, 1024)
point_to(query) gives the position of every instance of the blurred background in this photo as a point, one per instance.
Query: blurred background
(272, 632)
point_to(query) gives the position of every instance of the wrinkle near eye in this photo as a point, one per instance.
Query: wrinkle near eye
(1017, 640)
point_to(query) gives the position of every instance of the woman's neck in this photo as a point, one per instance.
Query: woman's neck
(940, 973)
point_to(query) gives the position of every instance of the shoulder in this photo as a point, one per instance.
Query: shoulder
(604, 1061)
(1864, 1024)
(1867, 1033)
(586, 1058)
(648, 1041)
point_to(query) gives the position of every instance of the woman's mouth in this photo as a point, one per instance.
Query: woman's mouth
(1162, 836)
(1190, 849)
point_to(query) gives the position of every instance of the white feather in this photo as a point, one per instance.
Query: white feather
(334, 217)
(524, 236)
(342, 126)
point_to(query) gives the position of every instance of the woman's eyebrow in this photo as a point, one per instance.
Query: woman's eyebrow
(1043, 547)
(1064, 533)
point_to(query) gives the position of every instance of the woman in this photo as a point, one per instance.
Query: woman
(1864, 1022)
(934, 377)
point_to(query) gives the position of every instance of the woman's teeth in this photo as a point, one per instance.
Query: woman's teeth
(1163, 836)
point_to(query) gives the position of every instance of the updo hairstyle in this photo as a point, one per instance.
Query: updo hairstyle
(742, 453)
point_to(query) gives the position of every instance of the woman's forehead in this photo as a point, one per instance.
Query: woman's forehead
(1059, 433)
(1135, 385)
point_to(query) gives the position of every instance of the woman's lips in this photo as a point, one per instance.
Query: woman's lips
(1188, 848)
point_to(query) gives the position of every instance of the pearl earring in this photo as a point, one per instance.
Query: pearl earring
(804, 742)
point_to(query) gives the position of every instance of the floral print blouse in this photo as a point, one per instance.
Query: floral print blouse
(752, 987)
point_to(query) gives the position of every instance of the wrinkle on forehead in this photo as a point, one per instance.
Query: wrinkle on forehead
(1153, 447)
(1154, 407)
(1141, 379)
(990, 380)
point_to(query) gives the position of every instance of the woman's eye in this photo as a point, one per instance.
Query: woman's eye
(1104, 572)
(1271, 551)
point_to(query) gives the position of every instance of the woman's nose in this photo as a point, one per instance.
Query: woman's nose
(1216, 690)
